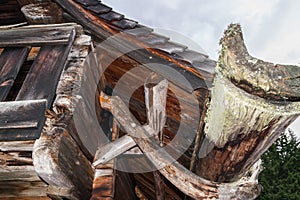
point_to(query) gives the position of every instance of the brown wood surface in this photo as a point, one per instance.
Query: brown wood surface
(21, 120)
(42, 79)
(66, 167)
(36, 36)
(11, 60)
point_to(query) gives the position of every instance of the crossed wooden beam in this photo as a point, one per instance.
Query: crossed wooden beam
(149, 138)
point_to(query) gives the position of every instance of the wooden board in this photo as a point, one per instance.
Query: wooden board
(36, 36)
(42, 79)
(21, 120)
(9, 68)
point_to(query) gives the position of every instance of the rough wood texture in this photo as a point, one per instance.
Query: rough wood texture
(21, 120)
(42, 79)
(156, 89)
(43, 13)
(9, 68)
(18, 178)
(185, 180)
(59, 161)
(181, 108)
(105, 175)
(76, 93)
(58, 154)
(264, 79)
(37, 35)
(241, 125)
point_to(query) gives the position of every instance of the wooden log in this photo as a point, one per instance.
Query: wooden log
(249, 110)
(10, 13)
(121, 145)
(18, 173)
(156, 89)
(21, 120)
(17, 145)
(58, 160)
(105, 174)
(188, 182)
(43, 13)
(9, 68)
(37, 35)
(22, 189)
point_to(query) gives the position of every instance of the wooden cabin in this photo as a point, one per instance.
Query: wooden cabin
(87, 94)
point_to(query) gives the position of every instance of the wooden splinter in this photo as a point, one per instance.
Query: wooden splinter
(155, 95)
(156, 89)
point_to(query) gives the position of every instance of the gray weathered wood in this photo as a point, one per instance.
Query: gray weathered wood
(11, 60)
(264, 79)
(43, 13)
(188, 182)
(18, 173)
(156, 89)
(250, 107)
(36, 36)
(22, 189)
(113, 149)
(17, 145)
(26, 115)
(58, 161)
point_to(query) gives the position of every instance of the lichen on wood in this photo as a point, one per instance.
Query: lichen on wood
(264, 79)
(252, 103)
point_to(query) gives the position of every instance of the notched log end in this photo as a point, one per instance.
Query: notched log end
(233, 113)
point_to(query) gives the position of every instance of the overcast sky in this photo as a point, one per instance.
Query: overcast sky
(271, 28)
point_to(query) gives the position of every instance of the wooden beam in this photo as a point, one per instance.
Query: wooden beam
(17, 145)
(9, 68)
(36, 36)
(264, 79)
(113, 149)
(26, 115)
(250, 107)
(43, 13)
(59, 161)
(188, 182)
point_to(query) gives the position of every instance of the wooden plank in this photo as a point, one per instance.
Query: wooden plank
(17, 145)
(18, 173)
(15, 158)
(42, 79)
(21, 120)
(36, 36)
(22, 188)
(11, 60)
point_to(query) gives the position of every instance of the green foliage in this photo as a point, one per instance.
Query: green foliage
(281, 175)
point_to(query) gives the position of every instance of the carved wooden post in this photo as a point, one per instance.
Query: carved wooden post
(252, 102)
(156, 89)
